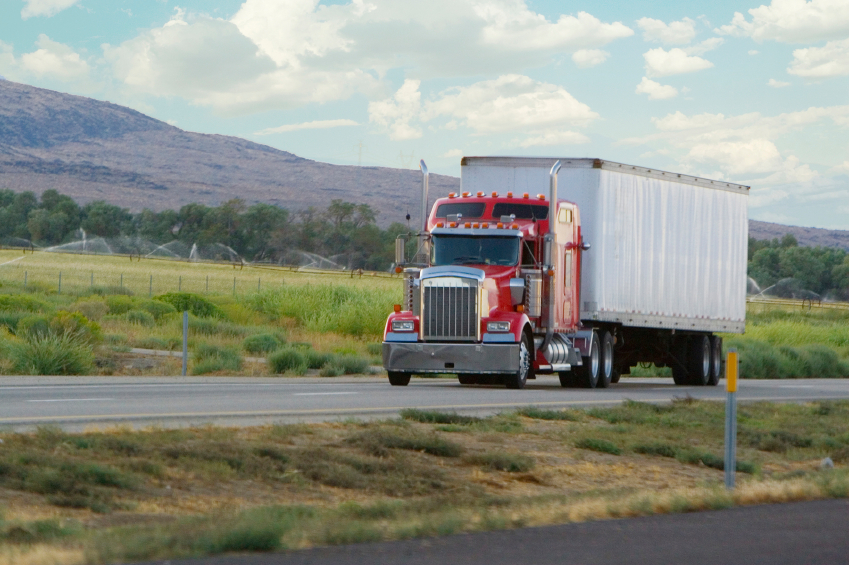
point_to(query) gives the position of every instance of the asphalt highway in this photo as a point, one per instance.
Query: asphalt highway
(81, 402)
(803, 533)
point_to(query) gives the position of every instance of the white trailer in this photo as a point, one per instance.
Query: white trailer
(667, 264)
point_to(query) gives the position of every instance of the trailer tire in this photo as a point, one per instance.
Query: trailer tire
(518, 379)
(715, 360)
(399, 379)
(615, 375)
(468, 379)
(587, 375)
(699, 360)
(605, 375)
(679, 361)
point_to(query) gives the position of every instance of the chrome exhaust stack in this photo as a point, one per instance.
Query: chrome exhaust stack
(548, 256)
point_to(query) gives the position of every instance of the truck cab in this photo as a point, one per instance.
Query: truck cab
(494, 297)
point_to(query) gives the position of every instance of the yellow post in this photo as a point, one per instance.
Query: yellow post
(731, 372)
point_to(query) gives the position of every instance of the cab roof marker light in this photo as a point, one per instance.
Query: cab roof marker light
(495, 195)
(468, 224)
(484, 226)
(480, 193)
(526, 196)
(509, 195)
(515, 226)
(465, 195)
(499, 225)
(541, 196)
(452, 225)
(440, 225)
(476, 225)
(452, 195)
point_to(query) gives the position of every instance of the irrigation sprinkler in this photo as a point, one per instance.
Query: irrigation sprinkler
(731, 368)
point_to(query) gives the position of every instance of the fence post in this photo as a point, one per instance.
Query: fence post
(25, 279)
(731, 368)
(60, 283)
(258, 282)
(150, 288)
(234, 285)
(185, 341)
(91, 283)
(207, 284)
(121, 284)
(180, 284)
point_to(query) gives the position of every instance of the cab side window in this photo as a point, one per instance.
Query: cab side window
(528, 258)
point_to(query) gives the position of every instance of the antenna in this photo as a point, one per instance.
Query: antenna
(359, 147)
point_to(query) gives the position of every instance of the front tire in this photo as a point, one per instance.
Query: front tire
(605, 376)
(518, 379)
(587, 375)
(399, 379)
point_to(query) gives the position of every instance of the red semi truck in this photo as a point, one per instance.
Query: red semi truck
(505, 285)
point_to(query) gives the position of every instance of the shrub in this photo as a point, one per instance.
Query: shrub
(157, 308)
(432, 417)
(91, 309)
(661, 449)
(330, 371)
(33, 326)
(152, 343)
(115, 339)
(375, 349)
(48, 354)
(110, 290)
(11, 319)
(194, 303)
(352, 365)
(600, 445)
(502, 461)
(140, 317)
(318, 359)
(287, 359)
(262, 343)
(76, 325)
(22, 303)
(209, 358)
(378, 441)
(120, 304)
(542, 414)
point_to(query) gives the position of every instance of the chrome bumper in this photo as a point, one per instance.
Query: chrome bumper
(451, 357)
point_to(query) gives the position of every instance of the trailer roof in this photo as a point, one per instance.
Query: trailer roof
(590, 163)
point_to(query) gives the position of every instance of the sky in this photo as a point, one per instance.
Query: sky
(747, 92)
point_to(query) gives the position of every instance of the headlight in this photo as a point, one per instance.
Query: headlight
(498, 327)
(403, 326)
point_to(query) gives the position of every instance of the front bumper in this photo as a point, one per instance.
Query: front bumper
(451, 357)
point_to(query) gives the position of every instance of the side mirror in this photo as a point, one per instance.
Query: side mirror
(400, 250)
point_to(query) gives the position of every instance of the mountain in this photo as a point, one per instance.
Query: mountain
(93, 150)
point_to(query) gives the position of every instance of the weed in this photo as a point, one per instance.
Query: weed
(433, 417)
(542, 414)
(195, 304)
(157, 308)
(50, 355)
(378, 442)
(331, 371)
(286, 360)
(209, 358)
(504, 461)
(120, 304)
(91, 309)
(600, 445)
(661, 449)
(140, 317)
(262, 343)
(22, 303)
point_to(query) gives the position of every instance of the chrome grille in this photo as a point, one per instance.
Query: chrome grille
(450, 309)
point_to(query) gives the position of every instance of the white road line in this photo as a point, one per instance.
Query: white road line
(69, 399)
(321, 393)
(796, 386)
(171, 385)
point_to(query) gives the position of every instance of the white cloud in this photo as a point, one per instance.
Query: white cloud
(54, 60)
(45, 7)
(316, 124)
(841, 168)
(753, 51)
(777, 83)
(737, 157)
(704, 46)
(655, 90)
(660, 62)
(586, 58)
(673, 33)
(453, 153)
(510, 22)
(555, 138)
(395, 114)
(793, 21)
(821, 62)
(511, 103)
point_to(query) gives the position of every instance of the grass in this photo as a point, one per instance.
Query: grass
(122, 496)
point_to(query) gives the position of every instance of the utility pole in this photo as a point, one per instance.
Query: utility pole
(359, 147)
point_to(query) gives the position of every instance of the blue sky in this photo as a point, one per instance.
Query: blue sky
(751, 92)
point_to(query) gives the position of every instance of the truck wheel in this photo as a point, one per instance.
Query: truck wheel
(715, 360)
(399, 379)
(468, 379)
(679, 361)
(605, 376)
(616, 374)
(699, 360)
(519, 378)
(587, 375)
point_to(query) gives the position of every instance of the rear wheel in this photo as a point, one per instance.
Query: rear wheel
(519, 378)
(715, 360)
(587, 374)
(679, 360)
(605, 376)
(468, 379)
(699, 360)
(399, 379)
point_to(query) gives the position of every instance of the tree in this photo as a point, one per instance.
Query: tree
(106, 220)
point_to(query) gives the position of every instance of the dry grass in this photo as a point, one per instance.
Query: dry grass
(306, 485)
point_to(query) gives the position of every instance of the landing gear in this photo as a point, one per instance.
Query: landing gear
(399, 379)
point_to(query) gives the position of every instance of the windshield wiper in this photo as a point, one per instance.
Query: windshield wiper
(467, 259)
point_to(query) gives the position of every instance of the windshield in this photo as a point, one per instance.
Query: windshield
(472, 250)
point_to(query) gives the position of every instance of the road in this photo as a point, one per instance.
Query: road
(80, 402)
(801, 533)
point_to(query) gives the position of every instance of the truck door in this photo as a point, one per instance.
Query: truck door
(566, 272)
